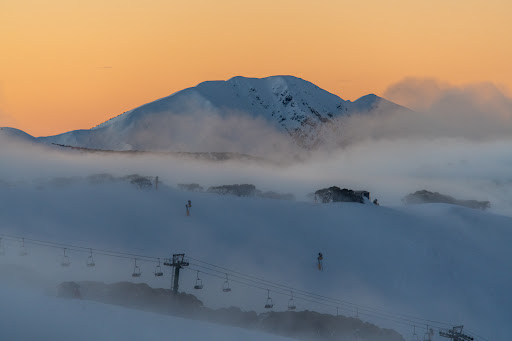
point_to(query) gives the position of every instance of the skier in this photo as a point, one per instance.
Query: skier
(376, 202)
(188, 206)
(320, 259)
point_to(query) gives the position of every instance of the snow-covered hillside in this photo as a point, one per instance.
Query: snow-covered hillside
(33, 316)
(214, 114)
(400, 265)
(437, 262)
(14, 135)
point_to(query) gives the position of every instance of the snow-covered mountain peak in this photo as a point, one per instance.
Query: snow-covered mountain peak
(291, 105)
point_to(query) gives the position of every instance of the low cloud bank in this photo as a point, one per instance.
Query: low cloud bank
(389, 169)
(211, 131)
(479, 112)
(458, 144)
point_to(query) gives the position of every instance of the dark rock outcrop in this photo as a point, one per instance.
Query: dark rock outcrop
(248, 190)
(141, 182)
(424, 196)
(310, 325)
(301, 325)
(132, 295)
(243, 190)
(335, 194)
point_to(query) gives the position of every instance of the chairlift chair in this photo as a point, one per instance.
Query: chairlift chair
(199, 283)
(269, 304)
(158, 270)
(136, 270)
(225, 287)
(65, 262)
(90, 261)
(291, 304)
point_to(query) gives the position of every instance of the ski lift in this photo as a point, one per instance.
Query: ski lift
(291, 303)
(269, 304)
(90, 260)
(23, 249)
(414, 335)
(158, 270)
(65, 260)
(136, 270)
(225, 287)
(199, 283)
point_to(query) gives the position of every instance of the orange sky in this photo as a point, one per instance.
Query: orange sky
(54, 53)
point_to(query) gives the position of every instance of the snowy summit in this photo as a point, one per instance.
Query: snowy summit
(288, 105)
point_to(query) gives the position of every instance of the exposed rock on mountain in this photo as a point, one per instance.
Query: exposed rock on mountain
(424, 196)
(335, 194)
(302, 325)
(243, 190)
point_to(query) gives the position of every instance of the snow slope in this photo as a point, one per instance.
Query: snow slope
(438, 262)
(280, 104)
(32, 316)
(16, 135)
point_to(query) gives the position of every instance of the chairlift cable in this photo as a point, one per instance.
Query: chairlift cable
(84, 249)
(376, 310)
(249, 277)
(302, 298)
(300, 294)
(321, 297)
(78, 248)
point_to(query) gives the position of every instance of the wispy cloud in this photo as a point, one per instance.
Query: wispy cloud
(476, 112)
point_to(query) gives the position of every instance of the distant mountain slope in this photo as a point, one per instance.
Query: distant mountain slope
(16, 135)
(278, 104)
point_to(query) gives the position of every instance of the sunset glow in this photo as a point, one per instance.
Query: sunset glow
(73, 64)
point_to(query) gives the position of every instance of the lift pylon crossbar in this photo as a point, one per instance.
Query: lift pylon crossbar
(455, 334)
(177, 262)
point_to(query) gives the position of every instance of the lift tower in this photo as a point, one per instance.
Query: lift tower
(455, 334)
(178, 262)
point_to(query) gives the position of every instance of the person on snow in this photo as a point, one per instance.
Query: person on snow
(320, 259)
(188, 205)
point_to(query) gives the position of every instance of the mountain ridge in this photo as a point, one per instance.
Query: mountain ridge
(281, 106)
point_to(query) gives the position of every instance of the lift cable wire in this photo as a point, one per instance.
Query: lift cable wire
(432, 323)
(259, 283)
(323, 299)
(128, 256)
(409, 318)
(303, 298)
(82, 248)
